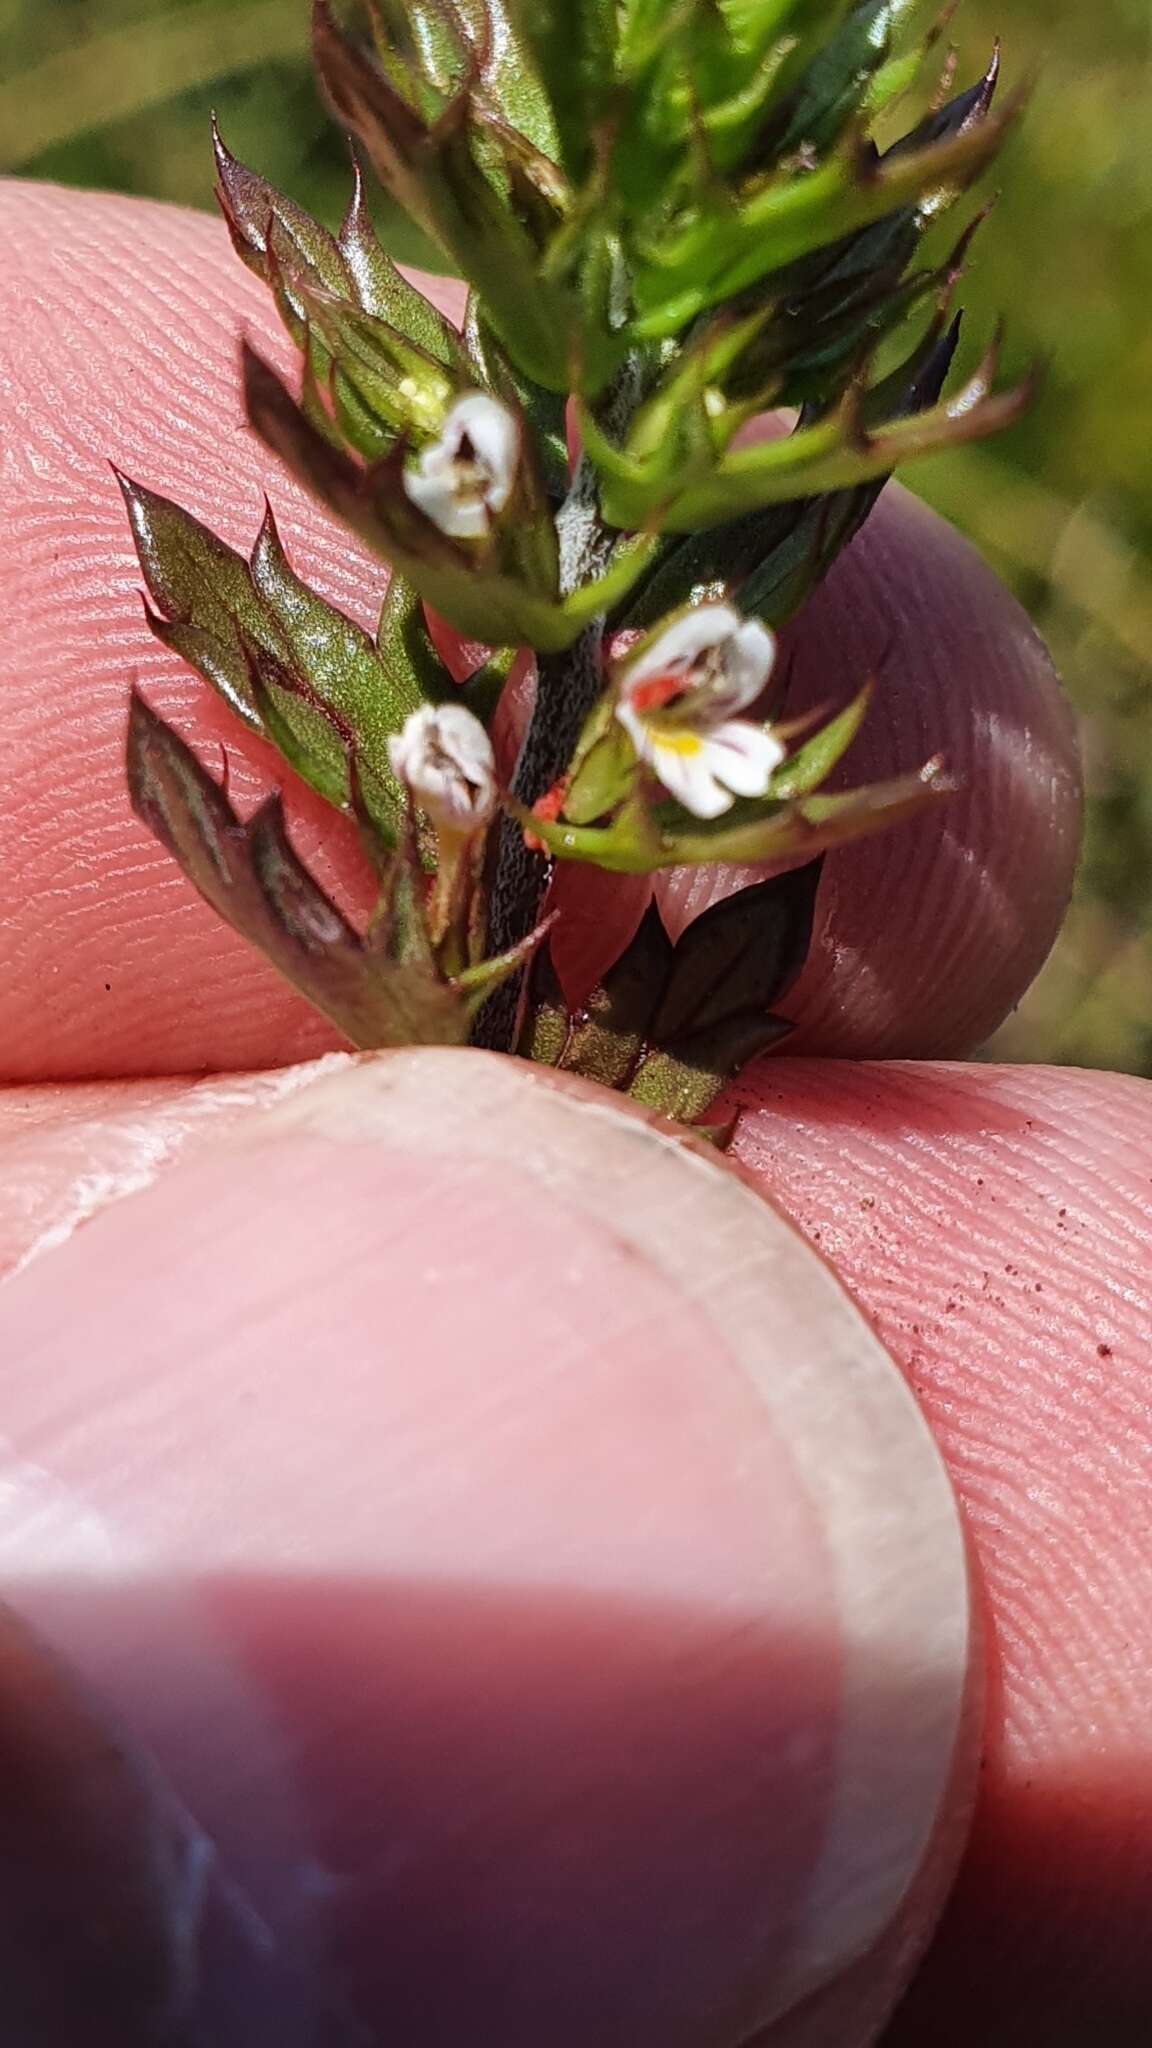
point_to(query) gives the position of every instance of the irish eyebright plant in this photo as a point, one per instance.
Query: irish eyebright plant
(672, 216)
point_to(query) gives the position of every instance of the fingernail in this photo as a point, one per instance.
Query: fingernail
(595, 1593)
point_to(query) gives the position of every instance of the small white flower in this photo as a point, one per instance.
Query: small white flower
(462, 479)
(677, 700)
(444, 756)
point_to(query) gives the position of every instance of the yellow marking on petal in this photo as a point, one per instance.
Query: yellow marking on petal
(670, 740)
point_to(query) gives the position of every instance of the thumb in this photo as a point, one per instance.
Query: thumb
(529, 1570)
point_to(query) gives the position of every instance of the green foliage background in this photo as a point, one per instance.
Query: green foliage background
(116, 93)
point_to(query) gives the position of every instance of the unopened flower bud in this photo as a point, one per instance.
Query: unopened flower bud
(464, 478)
(676, 701)
(444, 757)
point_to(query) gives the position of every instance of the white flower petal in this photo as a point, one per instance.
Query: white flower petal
(686, 773)
(750, 659)
(461, 733)
(683, 642)
(434, 488)
(743, 756)
(444, 756)
(744, 654)
(495, 437)
(466, 475)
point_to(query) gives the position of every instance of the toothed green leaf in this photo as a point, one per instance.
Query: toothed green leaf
(722, 251)
(253, 209)
(252, 877)
(269, 644)
(431, 171)
(639, 841)
(382, 291)
(830, 91)
(772, 559)
(293, 254)
(812, 824)
(846, 448)
(203, 591)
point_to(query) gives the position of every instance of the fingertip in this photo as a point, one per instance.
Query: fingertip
(996, 1224)
(485, 1432)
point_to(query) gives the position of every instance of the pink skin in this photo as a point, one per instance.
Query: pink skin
(125, 348)
(249, 1468)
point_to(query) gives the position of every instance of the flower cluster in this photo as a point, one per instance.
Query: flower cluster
(670, 219)
(677, 701)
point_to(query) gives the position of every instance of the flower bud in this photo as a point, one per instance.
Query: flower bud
(676, 700)
(464, 478)
(444, 757)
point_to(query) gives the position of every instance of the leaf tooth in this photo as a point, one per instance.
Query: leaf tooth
(302, 908)
(168, 787)
(979, 387)
(356, 220)
(267, 548)
(139, 501)
(985, 91)
(230, 173)
(953, 266)
(257, 216)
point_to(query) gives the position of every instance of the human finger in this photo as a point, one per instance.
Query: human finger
(121, 342)
(996, 1224)
(419, 1477)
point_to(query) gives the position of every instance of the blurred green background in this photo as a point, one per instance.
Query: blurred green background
(117, 93)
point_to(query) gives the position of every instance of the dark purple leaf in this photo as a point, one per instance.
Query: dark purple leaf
(609, 1034)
